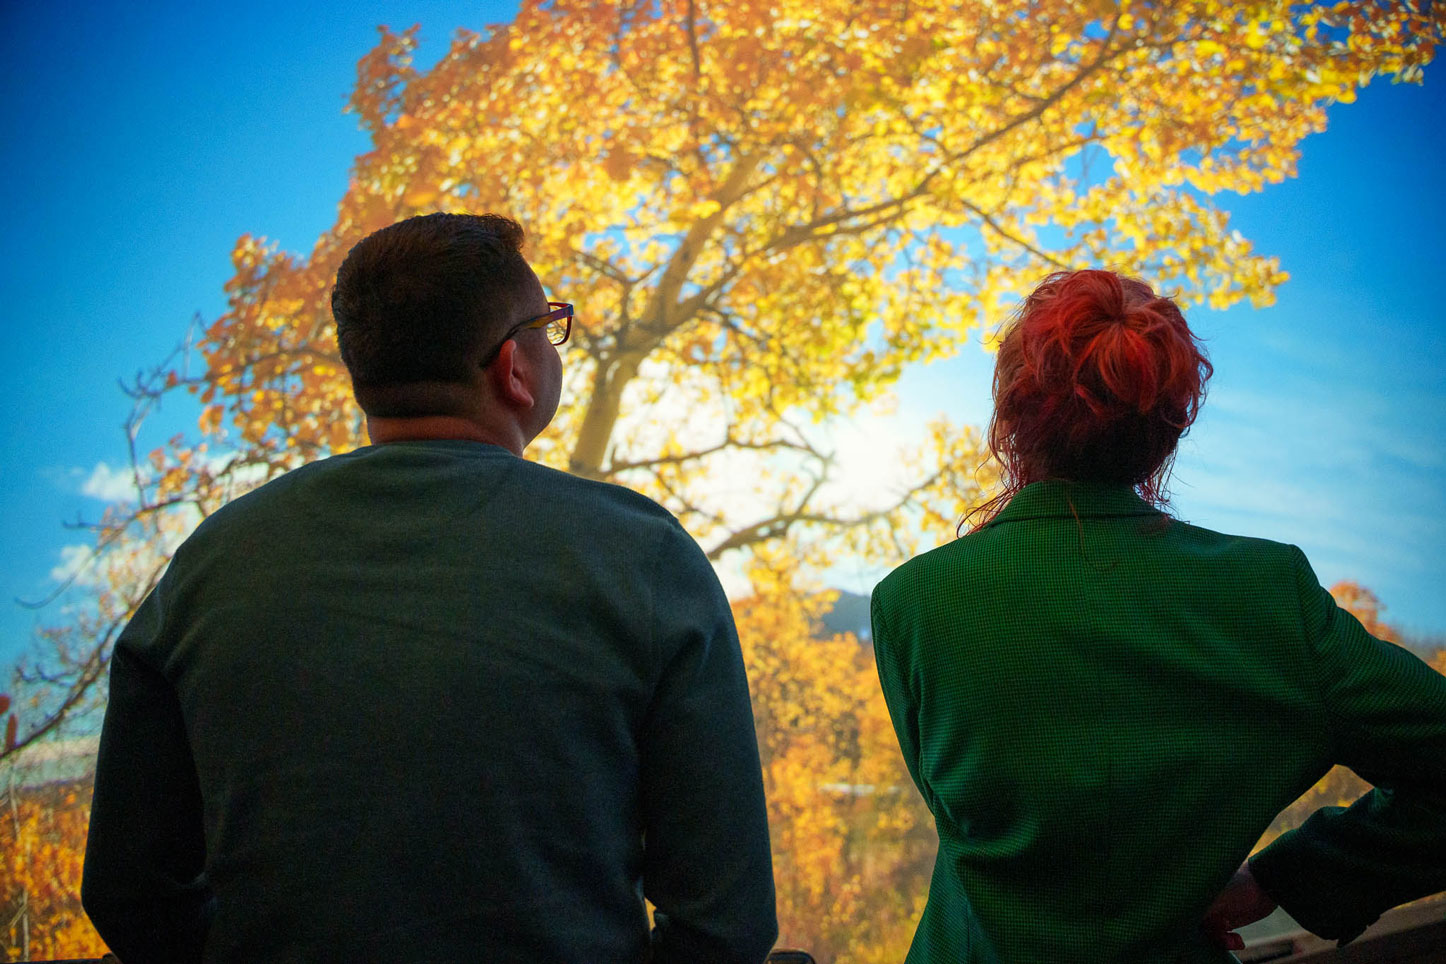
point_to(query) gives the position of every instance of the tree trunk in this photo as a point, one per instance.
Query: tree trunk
(609, 381)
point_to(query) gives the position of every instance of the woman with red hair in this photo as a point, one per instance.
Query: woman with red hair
(1105, 707)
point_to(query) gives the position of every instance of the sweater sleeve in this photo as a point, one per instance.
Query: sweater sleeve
(143, 884)
(1344, 866)
(708, 867)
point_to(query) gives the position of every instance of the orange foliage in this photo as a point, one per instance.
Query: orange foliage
(1366, 606)
(853, 843)
(42, 851)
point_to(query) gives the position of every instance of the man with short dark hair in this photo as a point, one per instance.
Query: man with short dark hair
(428, 701)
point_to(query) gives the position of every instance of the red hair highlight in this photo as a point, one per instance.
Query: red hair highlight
(1097, 379)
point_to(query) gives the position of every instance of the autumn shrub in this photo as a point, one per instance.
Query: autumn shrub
(42, 851)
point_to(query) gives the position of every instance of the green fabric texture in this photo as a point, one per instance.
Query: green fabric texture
(431, 702)
(1104, 709)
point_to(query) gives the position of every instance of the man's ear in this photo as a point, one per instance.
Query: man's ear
(511, 377)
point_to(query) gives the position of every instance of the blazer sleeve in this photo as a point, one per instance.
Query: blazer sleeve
(708, 867)
(1386, 710)
(143, 883)
(898, 695)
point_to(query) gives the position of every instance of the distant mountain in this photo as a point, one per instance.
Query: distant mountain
(850, 614)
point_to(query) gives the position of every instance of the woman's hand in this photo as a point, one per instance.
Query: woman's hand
(1241, 902)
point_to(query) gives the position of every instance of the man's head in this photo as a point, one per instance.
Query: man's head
(422, 304)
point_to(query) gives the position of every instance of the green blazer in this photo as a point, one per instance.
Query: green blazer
(1105, 708)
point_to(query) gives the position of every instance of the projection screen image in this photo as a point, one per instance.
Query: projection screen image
(793, 235)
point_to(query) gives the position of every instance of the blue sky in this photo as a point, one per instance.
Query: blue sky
(141, 140)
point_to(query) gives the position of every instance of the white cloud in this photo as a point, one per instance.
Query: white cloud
(75, 563)
(109, 485)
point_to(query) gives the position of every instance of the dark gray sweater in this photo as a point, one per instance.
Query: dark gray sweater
(428, 701)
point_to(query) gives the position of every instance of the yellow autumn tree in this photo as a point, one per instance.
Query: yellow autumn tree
(765, 213)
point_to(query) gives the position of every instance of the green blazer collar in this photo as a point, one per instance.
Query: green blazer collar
(1056, 499)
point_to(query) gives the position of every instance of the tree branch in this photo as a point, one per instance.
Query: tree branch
(999, 230)
(779, 524)
(90, 672)
(614, 468)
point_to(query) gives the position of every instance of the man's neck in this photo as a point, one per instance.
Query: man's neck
(425, 428)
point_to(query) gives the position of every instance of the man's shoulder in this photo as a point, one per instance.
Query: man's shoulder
(236, 524)
(590, 492)
(592, 505)
(258, 498)
(607, 510)
(273, 488)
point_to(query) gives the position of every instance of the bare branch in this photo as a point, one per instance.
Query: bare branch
(89, 673)
(779, 524)
(728, 444)
(606, 268)
(998, 229)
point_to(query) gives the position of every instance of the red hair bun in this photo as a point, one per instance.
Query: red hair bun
(1097, 378)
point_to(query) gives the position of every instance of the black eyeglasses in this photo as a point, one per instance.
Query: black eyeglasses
(557, 325)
